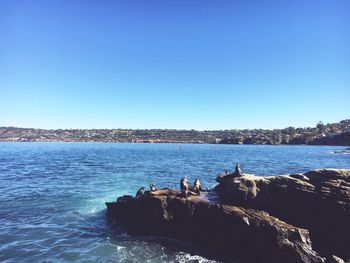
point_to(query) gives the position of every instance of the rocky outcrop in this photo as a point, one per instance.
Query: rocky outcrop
(341, 139)
(246, 235)
(252, 218)
(317, 200)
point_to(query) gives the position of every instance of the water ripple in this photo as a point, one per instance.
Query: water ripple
(52, 195)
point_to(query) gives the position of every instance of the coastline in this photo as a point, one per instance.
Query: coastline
(335, 134)
(175, 142)
(168, 142)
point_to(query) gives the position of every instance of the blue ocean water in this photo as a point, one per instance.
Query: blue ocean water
(52, 195)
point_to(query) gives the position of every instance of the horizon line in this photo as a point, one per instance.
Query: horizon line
(168, 129)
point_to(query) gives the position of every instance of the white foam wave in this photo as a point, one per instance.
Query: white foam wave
(183, 257)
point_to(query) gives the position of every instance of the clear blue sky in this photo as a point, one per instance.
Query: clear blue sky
(174, 64)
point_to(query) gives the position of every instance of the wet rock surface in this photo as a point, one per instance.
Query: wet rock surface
(248, 218)
(227, 232)
(317, 200)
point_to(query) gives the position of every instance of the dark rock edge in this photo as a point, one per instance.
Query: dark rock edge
(246, 224)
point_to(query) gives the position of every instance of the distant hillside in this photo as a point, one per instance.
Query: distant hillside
(322, 134)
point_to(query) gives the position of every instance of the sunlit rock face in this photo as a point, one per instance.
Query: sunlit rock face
(286, 218)
(317, 200)
(227, 232)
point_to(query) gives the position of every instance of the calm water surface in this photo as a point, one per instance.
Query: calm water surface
(52, 195)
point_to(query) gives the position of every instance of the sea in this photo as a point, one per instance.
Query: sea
(52, 195)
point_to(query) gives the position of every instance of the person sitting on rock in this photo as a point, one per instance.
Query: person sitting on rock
(140, 192)
(152, 187)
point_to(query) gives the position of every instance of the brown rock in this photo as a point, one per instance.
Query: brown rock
(334, 259)
(317, 200)
(246, 235)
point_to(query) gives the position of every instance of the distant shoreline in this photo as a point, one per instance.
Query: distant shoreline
(335, 134)
(179, 143)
